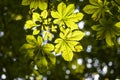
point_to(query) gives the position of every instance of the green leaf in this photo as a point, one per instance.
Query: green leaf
(33, 4)
(55, 14)
(52, 58)
(39, 40)
(76, 35)
(66, 16)
(109, 39)
(94, 2)
(28, 46)
(78, 48)
(42, 5)
(69, 10)
(35, 17)
(29, 24)
(59, 47)
(35, 32)
(44, 14)
(75, 17)
(25, 2)
(31, 39)
(117, 24)
(97, 27)
(71, 24)
(61, 8)
(67, 55)
(90, 9)
(47, 35)
(67, 42)
(42, 62)
(97, 8)
(48, 48)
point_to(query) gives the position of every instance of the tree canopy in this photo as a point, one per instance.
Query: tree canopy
(60, 40)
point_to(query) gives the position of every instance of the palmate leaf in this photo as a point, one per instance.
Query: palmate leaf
(67, 42)
(65, 15)
(97, 8)
(108, 30)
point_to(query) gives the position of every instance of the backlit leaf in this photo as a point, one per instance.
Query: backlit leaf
(48, 47)
(35, 32)
(31, 39)
(90, 9)
(117, 24)
(109, 39)
(29, 24)
(67, 55)
(66, 16)
(61, 8)
(67, 42)
(39, 40)
(35, 17)
(44, 14)
(25, 2)
(42, 5)
(52, 58)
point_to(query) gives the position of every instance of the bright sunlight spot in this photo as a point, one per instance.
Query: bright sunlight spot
(80, 61)
(89, 48)
(1, 33)
(3, 76)
(81, 25)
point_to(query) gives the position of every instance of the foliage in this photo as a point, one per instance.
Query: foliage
(44, 39)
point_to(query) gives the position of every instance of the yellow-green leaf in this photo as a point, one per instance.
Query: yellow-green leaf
(69, 10)
(66, 16)
(44, 14)
(42, 62)
(117, 24)
(48, 47)
(61, 8)
(77, 35)
(71, 24)
(78, 48)
(52, 58)
(33, 4)
(47, 35)
(29, 24)
(35, 32)
(39, 40)
(109, 39)
(31, 39)
(67, 55)
(94, 2)
(42, 5)
(90, 9)
(25, 2)
(55, 14)
(67, 42)
(28, 46)
(35, 17)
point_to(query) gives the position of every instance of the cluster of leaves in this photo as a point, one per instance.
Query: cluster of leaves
(54, 32)
(42, 4)
(51, 36)
(106, 29)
